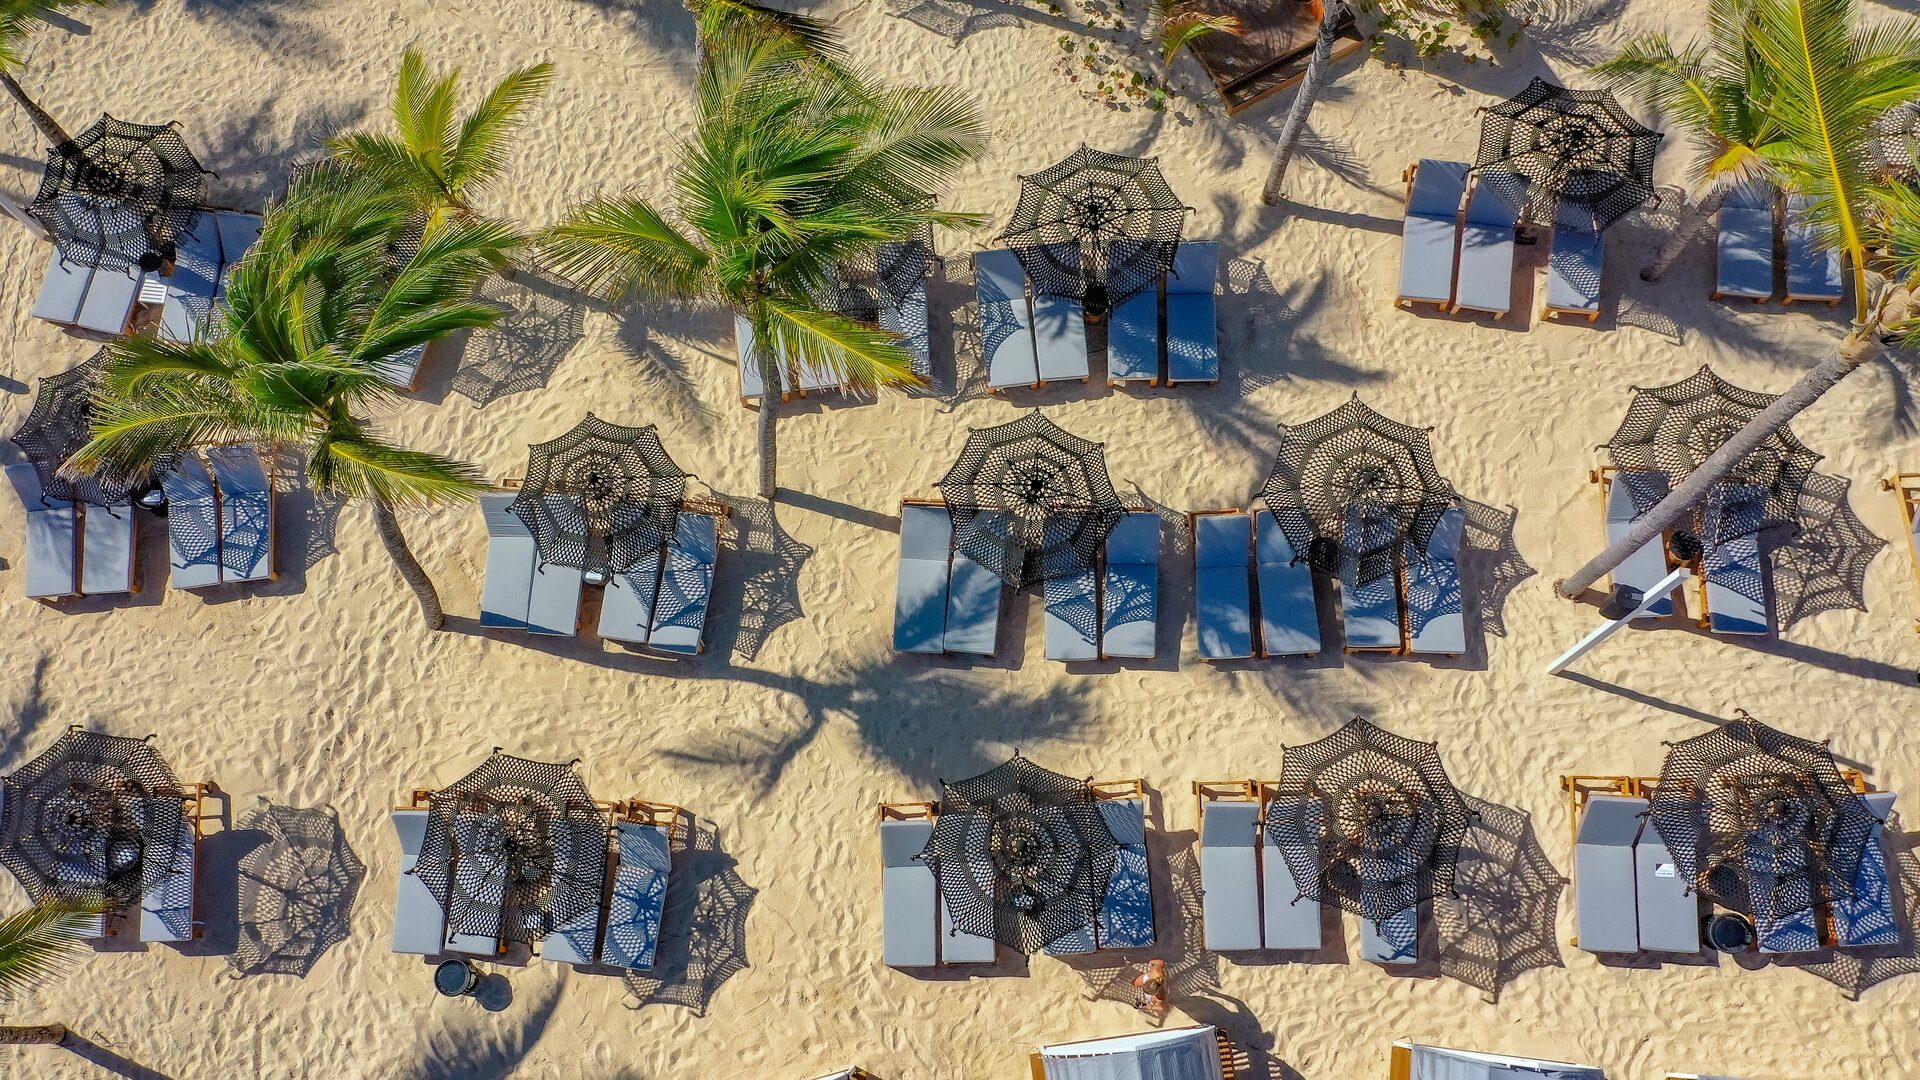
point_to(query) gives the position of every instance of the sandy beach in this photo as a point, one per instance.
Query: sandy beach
(322, 689)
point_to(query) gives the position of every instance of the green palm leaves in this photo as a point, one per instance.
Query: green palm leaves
(35, 943)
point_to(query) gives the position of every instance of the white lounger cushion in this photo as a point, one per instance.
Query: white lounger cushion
(1392, 940)
(1229, 877)
(246, 513)
(50, 536)
(908, 318)
(419, 924)
(1746, 243)
(1289, 621)
(1371, 613)
(166, 897)
(510, 559)
(973, 608)
(110, 299)
(1646, 565)
(1573, 269)
(686, 584)
(639, 895)
(194, 282)
(238, 234)
(62, 290)
(1871, 916)
(485, 882)
(1669, 914)
(1006, 328)
(1060, 338)
(579, 850)
(1813, 270)
(1436, 622)
(1486, 244)
(920, 599)
(1072, 616)
(908, 908)
(626, 608)
(1735, 580)
(1604, 916)
(960, 947)
(1291, 919)
(1126, 913)
(752, 384)
(1133, 330)
(1222, 546)
(107, 535)
(1193, 339)
(193, 525)
(402, 369)
(1129, 600)
(1430, 231)
(553, 595)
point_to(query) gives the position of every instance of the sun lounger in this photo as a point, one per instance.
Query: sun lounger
(553, 595)
(973, 608)
(639, 900)
(1193, 339)
(193, 525)
(62, 291)
(195, 281)
(1198, 1052)
(1126, 913)
(1229, 874)
(510, 561)
(1603, 903)
(1392, 940)
(626, 606)
(238, 234)
(110, 299)
(1669, 914)
(1411, 1061)
(579, 848)
(1646, 565)
(1133, 327)
(752, 382)
(1222, 546)
(1429, 234)
(1486, 244)
(908, 318)
(1006, 327)
(920, 598)
(1573, 272)
(108, 536)
(402, 370)
(1289, 621)
(1813, 269)
(1734, 580)
(246, 514)
(1060, 333)
(686, 585)
(1869, 916)
(167, 871)
(486, 885)
(419, 924)
(1290, 919)
(1370, 613)
(1073, 616)
(1436, 623)
(50, 551)
(1746, 244)
(1130, 588)
(1782, 934)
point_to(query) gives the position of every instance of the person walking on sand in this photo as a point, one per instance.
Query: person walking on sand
(1152, 984)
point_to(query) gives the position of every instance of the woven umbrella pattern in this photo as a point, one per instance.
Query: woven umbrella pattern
(513, 849)
(1761, 821)
(1367, 820)
(1823, 566)
(1351, 488)
(601, 496)
(94, 816)
(1582, 155)
(1022, 855)
(1070, 215)
(60, 423)
(1896, 138)
(116, 195)
(296, 891)
(1030, 501)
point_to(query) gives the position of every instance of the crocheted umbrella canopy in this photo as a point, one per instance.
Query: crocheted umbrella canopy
(1071, 220)
(601, 496)
(1030, 501)
(116, 195)
(1578, 149)
(60, 423)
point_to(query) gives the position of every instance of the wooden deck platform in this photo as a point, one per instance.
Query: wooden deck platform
(1272, 50)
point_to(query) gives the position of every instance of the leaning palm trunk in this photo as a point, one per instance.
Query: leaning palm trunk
(409, 567)
(1692, 219)
(41, 1034)
(46, 123)
(1719, 465)
(769, 415)
(1304, 98)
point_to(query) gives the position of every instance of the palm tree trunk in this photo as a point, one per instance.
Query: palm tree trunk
(409, 567)
(1693, 490)
(769, 414)
(1692, 220)
(47, 125)
(1332, 11)
(42, 1034)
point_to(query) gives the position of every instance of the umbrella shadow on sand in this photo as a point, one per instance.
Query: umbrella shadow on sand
(544, 319)
(766, 563)
(296, 891)
(1498, 924)
(703, 931)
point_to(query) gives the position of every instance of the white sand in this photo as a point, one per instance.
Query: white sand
(323, 689)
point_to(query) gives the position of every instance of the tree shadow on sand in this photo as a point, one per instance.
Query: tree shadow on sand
(1499, 922)
(472, 1047)
(703, 930)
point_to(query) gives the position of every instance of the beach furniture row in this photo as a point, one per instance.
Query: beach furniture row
(1732, 589)
(1755, 226)
(103, 301)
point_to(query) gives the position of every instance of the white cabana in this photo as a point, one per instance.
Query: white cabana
(1191, 1053)
(1412, 1061)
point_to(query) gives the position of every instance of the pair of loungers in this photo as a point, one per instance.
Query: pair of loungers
(916, 930)
(1747, 244)
(1458, 263)
(74, 549)
(1191, 335)
(220, 524)
(662, 605)
(1733, 585)
(204, 257)
(168, 861)
(1028, 341)
(622, 930)
(1249, 898)
(1417, 610)
(949, 603)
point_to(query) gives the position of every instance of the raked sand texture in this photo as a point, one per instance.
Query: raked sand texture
(323, 689)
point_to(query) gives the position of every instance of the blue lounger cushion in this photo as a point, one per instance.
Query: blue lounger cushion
(167, 872)
(686, 585)
(1006, 326)
(1289, 620)
(1486, 244)
(1436, 621)
(1370, 613)
(1060, 329)
(108, 536)
(1133, 327)
(1392, 940)
(1746, 243)
(194, 282)
(639, 898)
(1222, 550)
(50, 536)
(1870, 916)
(1126, 913)
(1193, 338)
(62, 291)
(1793, 932)
(1735, 578)
(1813, 269)
(1290, 919)
(193, 525)
(920, 599)
(1130, 589)
(579, 854)
(246, 513)
(909, 905)
(626, 608)
(1573, 270)
(1073, 616)
(1646, 565)
(1429, 234)
(511, 557)
(1229, 875)
(110, 299)
(419, 923)
(1603, 907)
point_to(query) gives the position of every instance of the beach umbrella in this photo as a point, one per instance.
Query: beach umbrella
(1352, 487)
(1578, 149)
(1761, 821)
(60, 423)
(601, 497)
(514, 848)
(1022, 854)
(1674, 429)
(94, 816)
(1071, 214)
(1367, 820)
(1896, 138)
(117, 194)
(1823, 566)
(296, 891)
(1030, 501)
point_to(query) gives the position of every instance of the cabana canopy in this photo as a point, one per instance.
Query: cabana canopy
(1180, 1054)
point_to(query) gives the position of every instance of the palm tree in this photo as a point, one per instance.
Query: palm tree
(1718, 89)
(18, 20)
(1332, 14)
(789, 173)
(440, 160)
(34, 945)
(1828, 80)
(313, 311)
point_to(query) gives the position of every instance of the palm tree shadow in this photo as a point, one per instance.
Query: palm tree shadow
(472, 1049)
(663, 372)
(283, 29)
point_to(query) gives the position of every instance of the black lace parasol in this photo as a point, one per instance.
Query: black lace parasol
(1071, 214)
(60, 423)
(1761, 821)
(601, 496)
(116, 195)
(1022, 854)
(1367, 820)
(513, 849)
(1030, 501)
(1578, 149)
(95, 815)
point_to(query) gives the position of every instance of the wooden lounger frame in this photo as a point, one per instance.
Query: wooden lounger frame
(1906, 487)
(1206, 791)
(1229, 1057)
(1580, 788)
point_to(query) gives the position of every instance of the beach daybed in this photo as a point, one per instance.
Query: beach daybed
(1430, 232)
(51, 549)
(1485, 281)
(246, 514)
(1193, 338)
(419, 924)
(1125, 919)
(1191, 1053)
(1060, 332)
(1733, 584)
(1813, 269)
(909, 895)
(1288, 918)
(1436, 621)
(630, 911)
(1412, 1061)
(1229, 865)
(1640, 902)
(1133, 326)
(1745, 267)
(1289, 619)
(1222, 548)
(1006, 326)
(1573, 272)
(1646, 565)
(193, 524)
(1130, 587)
(167, 892)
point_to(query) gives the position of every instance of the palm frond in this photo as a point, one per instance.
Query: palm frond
(858, 354)
(479, 154)
(40, 942)
(423, 111)
(1176, 23)
(351, 462)
(624, 247)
